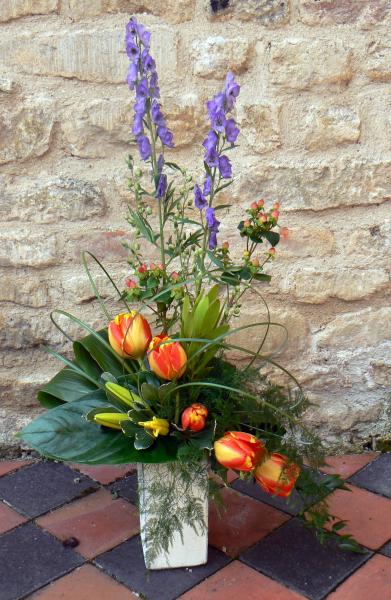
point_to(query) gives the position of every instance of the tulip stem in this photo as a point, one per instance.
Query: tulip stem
(177, 409)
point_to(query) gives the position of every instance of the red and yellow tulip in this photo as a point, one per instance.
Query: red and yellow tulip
(129, 334)
(239, 450)
(276, 475)
(167, 359)
(194, 417)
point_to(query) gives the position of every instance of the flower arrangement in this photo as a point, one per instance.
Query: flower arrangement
(156, 384)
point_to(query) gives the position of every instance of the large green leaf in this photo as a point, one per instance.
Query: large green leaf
(85, 361)
(66, 386)
(64, 434)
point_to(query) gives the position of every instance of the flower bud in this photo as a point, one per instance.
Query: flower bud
(272, 251)
(261, 203)
(246, 254)
(129, 334)
(254, 206)
(255, 262)
(130, 283)
(276, 475)
(246, 223)
(167, 359)
(275, 214)
(174, 275)
(225, 245)
(239, 450)
(142, 268)
(194, 417)
(263, 217)
(160, 267)
(111, 420)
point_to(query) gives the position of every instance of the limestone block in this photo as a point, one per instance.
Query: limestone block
(185, 117)
(331, 126)
(105, 245)
(381, 370)
(214, 56)
(265, 12)
(48, 201)
(378, 64)
(371, 241)
(13, 9)
(6, 84)
(307, 241)
(26, 130)
(259, 124)
(18, 248)
(298, 63)
(315, 287)
(176, 11)
(89, 54)
(343, 12)
(91, 128)
(318, 184)
(356, 330)
(24, 289)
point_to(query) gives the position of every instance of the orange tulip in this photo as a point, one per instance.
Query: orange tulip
(129, 334)
(194, 417)
(239, 450)
(167, 360)
(277, 476)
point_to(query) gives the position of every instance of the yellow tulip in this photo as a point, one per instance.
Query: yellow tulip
(156, 426)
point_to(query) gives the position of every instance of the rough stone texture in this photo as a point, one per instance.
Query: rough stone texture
(25, 132)
(301, 64)
(314, 111)
(331, 126)
(265, 12)
(214, 56)
(344, 12)
(13, 9)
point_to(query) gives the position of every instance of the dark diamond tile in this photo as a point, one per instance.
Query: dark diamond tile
(126, 563)
(126, 488)
(376, 476)
(31, 558)
(252, 489)
(293, 556)
(46, 485)
(386, 549)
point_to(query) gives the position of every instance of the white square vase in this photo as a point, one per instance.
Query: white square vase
(188, 547)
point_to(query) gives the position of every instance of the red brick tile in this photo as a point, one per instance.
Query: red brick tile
(9, 518)
(372, 581)
(104, 474)
(347, 465)
(84, 584)
(7, 466)
(242, 524)
(368, 515)
(98, 521)
(238, 581)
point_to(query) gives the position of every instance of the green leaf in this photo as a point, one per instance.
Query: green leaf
(149, 393)
(272, 237)
(64, 434)
(66, 386)
(262, 277)
(86, 362)
(99, 352)
(143, 440)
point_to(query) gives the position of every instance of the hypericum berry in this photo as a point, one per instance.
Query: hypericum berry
(284, 233)
(174, 275)
(130, 283)
(152, 266)
(246, 254)
(254, 206)
(255, 262)
(276, 205)
(160, 267)
(275, 214)
(247, 223)
(225, 245)
(262, 217)
(142, 268)
(260, 203)
(272, 251)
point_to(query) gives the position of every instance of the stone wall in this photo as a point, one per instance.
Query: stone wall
(315, 111)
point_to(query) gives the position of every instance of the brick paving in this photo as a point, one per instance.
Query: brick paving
(71, 532)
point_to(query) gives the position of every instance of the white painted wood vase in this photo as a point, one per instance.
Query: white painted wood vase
(177, 494)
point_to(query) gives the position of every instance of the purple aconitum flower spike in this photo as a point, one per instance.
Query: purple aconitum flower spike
(225, 167)
(207, 185)
(161, 187)
(213, 226)
(199, 199)
(231, 130)
(144, 147)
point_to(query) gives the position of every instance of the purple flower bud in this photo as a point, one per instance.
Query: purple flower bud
(212, 242)
(166, 136)
(211, 218)
(144, 35)
(231, 130)
(132, 26)
(199, 199)
(160, 163)
(207, 185)
(144, 147)
(231, 91)
(225, 167)
(137, 128)
(161, 187)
